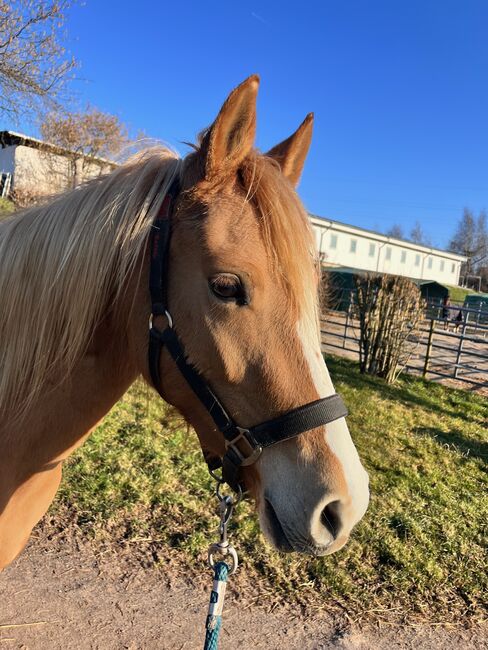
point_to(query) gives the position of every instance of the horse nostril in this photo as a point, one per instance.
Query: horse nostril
(331, 519)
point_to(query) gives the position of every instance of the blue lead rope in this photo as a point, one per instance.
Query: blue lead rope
(214, 617)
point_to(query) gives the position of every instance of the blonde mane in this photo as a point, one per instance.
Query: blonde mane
(62, 264)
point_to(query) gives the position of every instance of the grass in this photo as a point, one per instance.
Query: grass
(6, 207)
(418, 553)
(458, 294)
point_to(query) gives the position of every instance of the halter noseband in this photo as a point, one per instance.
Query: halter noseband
(243, 445)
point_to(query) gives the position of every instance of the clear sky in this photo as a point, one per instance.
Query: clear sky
(399, 90)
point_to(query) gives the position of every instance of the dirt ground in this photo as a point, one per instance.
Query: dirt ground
(66, 593)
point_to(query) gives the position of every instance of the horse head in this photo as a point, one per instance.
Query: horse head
(243, 295)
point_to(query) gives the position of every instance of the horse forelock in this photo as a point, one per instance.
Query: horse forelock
(282, 219)
(286, 231)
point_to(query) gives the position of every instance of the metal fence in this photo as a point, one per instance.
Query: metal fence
(455, 347)
(5, 184)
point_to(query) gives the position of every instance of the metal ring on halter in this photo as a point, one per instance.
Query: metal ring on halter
(215, 476)
(168, 318)
(227, 551)
(220, 481)
(221, 496)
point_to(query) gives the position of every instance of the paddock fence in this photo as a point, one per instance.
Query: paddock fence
(454, 348)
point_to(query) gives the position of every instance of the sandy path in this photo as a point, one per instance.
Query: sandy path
(66, 595)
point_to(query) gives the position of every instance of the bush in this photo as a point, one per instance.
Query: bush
(389, 309)
(6, 207)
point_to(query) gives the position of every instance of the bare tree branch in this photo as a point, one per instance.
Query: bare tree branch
(471, 240)
(34, 65)
(84, 136)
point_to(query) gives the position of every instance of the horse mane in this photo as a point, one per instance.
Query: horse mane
(61, 265)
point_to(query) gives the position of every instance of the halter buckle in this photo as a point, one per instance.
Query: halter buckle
(242, 437)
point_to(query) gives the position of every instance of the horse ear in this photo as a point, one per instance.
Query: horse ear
(291, 153)
(231, 137)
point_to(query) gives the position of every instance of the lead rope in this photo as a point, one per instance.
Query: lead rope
(222, 569)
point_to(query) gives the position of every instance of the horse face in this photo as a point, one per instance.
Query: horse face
(243, 296)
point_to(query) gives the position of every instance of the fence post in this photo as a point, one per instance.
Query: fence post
(346, 324)
(429, 347)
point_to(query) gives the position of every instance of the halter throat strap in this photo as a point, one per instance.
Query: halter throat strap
(243, 445)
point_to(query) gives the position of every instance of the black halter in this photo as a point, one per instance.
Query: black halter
(243, 445)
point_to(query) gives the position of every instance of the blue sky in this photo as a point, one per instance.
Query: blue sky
(399, 90)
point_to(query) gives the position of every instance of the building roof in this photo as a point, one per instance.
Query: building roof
(11, 138)
(373, 234)
(349, 270)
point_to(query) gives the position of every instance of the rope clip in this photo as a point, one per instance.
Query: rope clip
(222, 547)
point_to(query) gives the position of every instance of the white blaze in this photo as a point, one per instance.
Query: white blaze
(336, 434)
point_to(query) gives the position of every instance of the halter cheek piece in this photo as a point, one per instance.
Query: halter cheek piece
(243, 445)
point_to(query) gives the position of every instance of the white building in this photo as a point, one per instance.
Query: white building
(342, 245)
(34, 168)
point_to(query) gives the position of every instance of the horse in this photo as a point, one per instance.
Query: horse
(242, 291)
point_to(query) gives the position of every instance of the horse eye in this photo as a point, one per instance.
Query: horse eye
(227, 286)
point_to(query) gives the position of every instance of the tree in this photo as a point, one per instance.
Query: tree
(88, 133)
(483, 273)
(84, 136)
(471, 240)
(34, 67)
(395, 231)
(418, 236)
(482, 238)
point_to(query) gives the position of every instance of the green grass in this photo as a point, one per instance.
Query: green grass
(458, 294)
(6, 207)
(418, 553)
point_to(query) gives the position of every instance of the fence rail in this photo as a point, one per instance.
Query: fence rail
(451, 348)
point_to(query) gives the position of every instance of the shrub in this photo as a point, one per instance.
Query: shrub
(6, 207)
(389, 310)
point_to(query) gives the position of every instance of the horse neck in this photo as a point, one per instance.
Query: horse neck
(63, 415)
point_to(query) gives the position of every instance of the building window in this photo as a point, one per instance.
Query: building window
(372, 250)
(453, 267)
(442, 265)
(354, 244)
(333, 241)
(388, 253)
(417, 260)
(429, 263)
(403, 257)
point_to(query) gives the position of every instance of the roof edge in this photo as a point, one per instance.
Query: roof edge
(12, 138)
